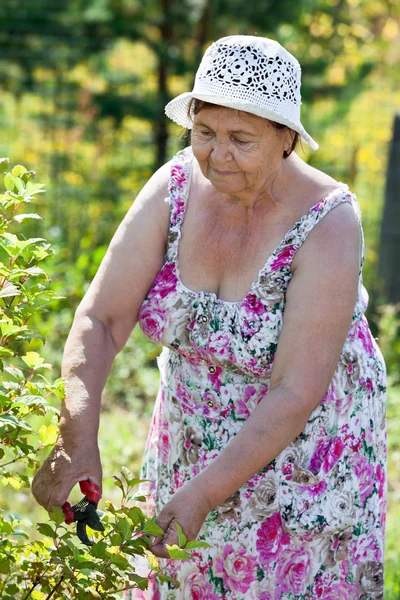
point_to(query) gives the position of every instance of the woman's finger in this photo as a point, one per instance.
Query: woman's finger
(170, 538)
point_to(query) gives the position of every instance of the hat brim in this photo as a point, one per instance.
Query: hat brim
(177, 111)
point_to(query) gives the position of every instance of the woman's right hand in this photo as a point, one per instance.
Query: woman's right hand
(67, 464)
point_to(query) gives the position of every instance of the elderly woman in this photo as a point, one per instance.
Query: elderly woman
(268, 434)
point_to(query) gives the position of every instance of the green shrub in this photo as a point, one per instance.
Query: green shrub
(55, 566)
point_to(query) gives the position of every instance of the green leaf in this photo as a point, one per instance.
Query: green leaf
(181, 535)
(21, 533)
(15, 372)
(18, 170)
(10, 290)
(153, 529)
(119, 560)
(4, 162)
(118, 482)
(19, 184)
(175, 552)
(6, 528)
(153, 562)
(141, 582)
(32, 359)
(125, 528)
(23, 217)
(135, 515)
(57, 515)
(48, 435)
(12, 589)
(9, 182)
(110, 507)
(5, 566)
(93, 592)
(27, 176)
(98, 550)
(47, 530)
(13, 480)
(195, 544)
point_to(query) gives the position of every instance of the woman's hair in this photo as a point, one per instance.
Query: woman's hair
(195, 106)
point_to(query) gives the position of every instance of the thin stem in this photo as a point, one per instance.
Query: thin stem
(55, 588)
(11, 461)
(36, 582)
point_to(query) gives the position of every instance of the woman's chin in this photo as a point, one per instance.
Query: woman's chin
(225, 184)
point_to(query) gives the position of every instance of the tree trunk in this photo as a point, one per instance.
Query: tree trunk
(389, 255)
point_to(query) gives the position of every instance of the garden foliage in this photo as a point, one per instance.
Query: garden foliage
(55, 565)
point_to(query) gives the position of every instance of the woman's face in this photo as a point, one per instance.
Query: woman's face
(237, 151)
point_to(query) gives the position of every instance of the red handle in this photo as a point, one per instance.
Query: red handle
(69, 515)
(90, 490)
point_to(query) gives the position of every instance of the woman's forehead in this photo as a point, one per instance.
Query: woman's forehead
(229, 118)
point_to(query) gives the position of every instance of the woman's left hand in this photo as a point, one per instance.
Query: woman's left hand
(188, 507)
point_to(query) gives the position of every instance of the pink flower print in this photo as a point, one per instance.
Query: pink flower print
(365, 475)
(178, 176)
(380, 475)
(319, 454)
(253, 305)
(166, 280)
(367, 383)
(242, 405)
(250, 326)
(329, 396)
(196, 587)
(249, 391)
(215, 378)
(284, 258)
(271, 539)
(152, 321)
(344, 404)
(364, 335)
(183, 394)
(242, 409)
(163, 441)
(365, 548)
(293, 570)
(334, 453)
(219, 345)
(315, 490)
(180, 477)
(318, 206)
(339, 591)
(237, 569)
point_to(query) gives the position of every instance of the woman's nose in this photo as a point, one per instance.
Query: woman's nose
(221, 151)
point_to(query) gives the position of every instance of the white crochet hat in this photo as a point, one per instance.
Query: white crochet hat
(248, 73)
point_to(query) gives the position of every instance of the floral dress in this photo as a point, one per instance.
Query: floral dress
(311, 524)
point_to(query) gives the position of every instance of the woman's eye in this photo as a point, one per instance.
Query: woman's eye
(206, 132)
(240, 142)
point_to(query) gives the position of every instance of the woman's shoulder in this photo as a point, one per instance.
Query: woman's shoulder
(333, 214)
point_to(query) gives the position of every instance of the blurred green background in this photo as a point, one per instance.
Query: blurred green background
(83, 85)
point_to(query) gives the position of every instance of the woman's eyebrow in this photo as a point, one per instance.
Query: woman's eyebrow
(242, 132)
(235, 131)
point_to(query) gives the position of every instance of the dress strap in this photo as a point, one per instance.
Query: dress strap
(178, 193)
(297, 235)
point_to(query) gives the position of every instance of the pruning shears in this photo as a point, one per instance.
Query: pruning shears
(84, 512)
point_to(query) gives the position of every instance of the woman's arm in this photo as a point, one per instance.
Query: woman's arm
(320, 301)
(108, 313)
(102, 324)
